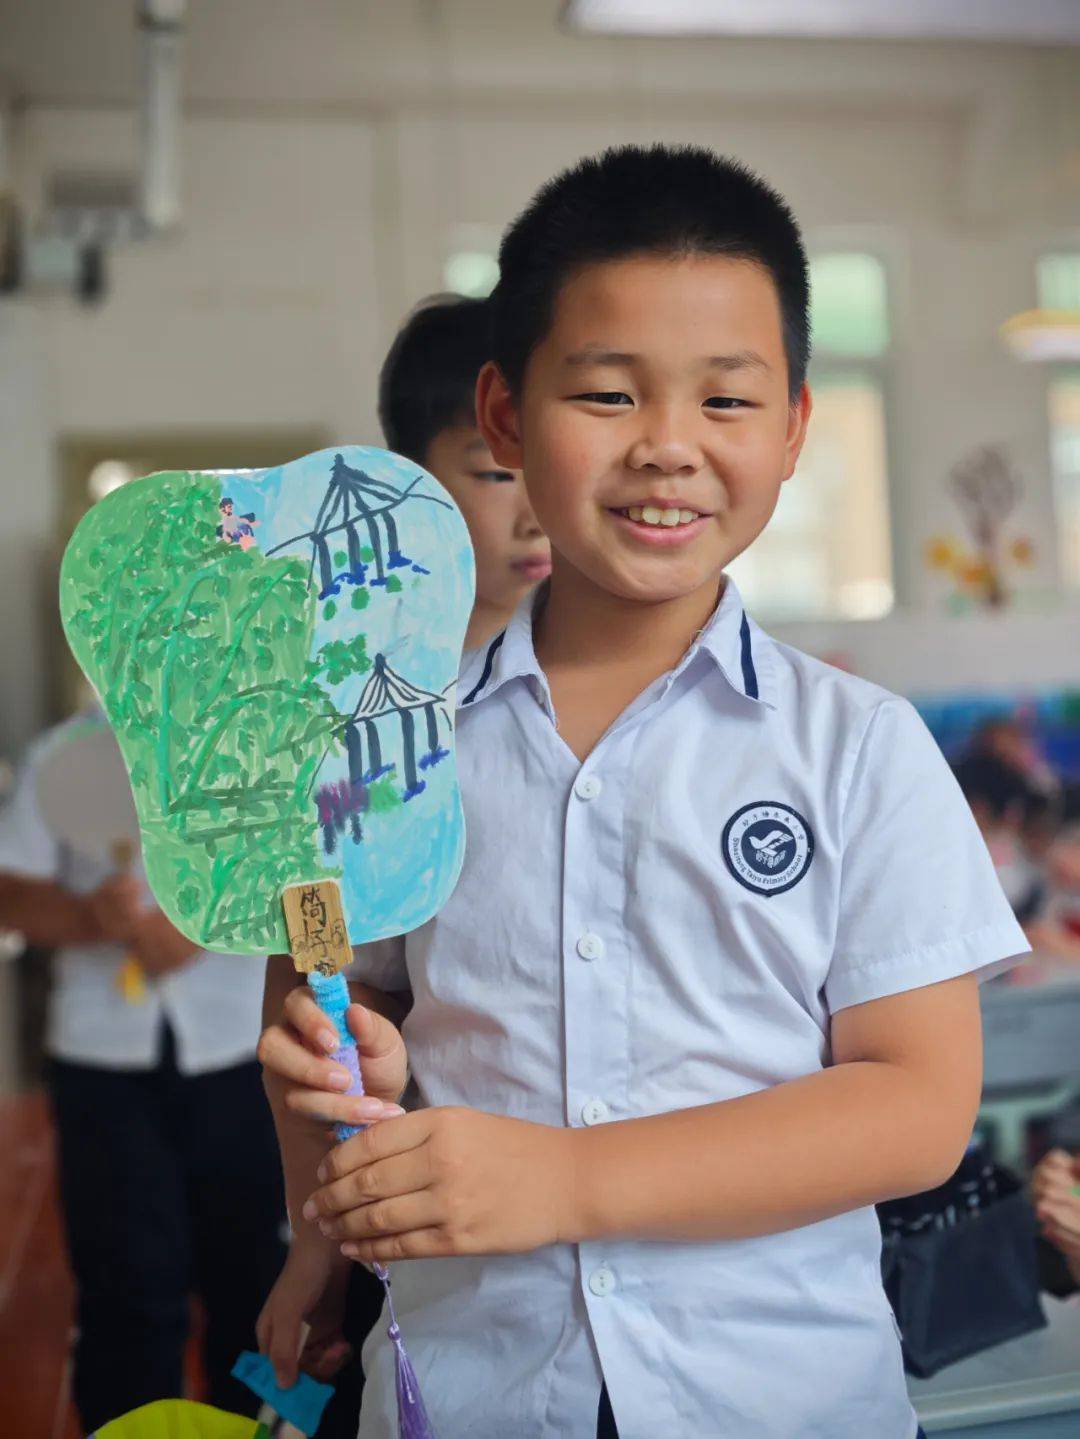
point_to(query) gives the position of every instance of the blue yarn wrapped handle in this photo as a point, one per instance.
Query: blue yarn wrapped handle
(331, 993)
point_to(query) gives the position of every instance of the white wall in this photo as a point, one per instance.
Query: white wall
(262, 310)
(27, 506)
(328, 165)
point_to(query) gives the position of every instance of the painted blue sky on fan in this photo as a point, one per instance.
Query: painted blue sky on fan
(389, 558)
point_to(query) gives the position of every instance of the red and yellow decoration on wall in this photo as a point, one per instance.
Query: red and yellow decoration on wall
(980, 565)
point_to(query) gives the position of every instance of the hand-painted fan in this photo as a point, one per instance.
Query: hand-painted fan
(277, 652)
(84, 796)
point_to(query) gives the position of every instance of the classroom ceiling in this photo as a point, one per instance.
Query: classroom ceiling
(357, 55)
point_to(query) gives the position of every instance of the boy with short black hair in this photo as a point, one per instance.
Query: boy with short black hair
(427, 410)
(705, 991)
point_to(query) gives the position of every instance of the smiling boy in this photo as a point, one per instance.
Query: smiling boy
(706, 990)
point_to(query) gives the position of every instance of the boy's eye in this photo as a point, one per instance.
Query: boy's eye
(498, 477)
(725, 402)
(606, 397)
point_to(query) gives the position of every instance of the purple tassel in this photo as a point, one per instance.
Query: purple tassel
(332, 996)
(413, 1421)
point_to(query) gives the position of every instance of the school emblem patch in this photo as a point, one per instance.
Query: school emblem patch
(768, 847)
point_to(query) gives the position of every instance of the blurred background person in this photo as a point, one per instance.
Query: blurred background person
(169, 1177)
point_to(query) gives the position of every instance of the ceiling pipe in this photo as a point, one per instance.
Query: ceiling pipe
(161, 40)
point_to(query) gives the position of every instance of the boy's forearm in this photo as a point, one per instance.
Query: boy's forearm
(46, 913)
(804, 1151)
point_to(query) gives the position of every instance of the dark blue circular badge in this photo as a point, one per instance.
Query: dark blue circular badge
(768, 847)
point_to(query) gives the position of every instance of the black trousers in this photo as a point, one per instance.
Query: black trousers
(169, 1184)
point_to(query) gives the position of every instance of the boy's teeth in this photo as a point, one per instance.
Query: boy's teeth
(653, 515)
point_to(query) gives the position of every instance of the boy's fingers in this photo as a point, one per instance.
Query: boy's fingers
(323, 1359)
(1052, 1182)
(417, 1244)
(1056, 1159)
(279, 1340)
(401, 1174)
(1063, 1214)
(403, 1215)
(285, 1056)
(381, 1141)
(376, 1037)
(340, 1108)
(285, 1369)
(308, 1020)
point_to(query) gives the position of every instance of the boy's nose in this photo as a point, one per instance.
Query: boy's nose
(526, 525)
(665, 453)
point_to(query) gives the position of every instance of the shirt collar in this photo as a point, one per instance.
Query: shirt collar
(740, 650)
(510, 655)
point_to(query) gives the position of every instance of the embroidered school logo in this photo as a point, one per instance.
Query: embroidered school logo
(768, 847)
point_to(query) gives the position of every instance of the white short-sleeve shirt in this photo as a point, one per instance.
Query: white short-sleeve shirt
(213, 1003)
(759, 841)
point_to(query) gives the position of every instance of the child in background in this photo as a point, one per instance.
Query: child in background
(427, 410)
(428, 414)
(1021, 831)
(705, 991)
(169, 1173)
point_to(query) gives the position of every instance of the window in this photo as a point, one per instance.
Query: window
(1064, 403)
(471, 272)
(1057, 280)
(826, 554)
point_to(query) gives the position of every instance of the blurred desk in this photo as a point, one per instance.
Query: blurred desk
(1028, 1387)
(1031, 1066)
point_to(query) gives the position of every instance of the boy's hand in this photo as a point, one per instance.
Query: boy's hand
(1054, 1193)
(447, 1181)
(117, 906)
(309, 1290)
(294, 1055)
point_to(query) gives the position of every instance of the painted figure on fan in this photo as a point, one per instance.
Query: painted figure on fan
(236, 529)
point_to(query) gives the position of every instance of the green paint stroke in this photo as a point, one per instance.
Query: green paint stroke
(200, 652)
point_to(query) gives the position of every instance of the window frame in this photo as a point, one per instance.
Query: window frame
(880, 370)
(1055, 371)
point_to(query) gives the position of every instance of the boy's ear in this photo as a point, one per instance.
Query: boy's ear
(497, 417)
(798, 419)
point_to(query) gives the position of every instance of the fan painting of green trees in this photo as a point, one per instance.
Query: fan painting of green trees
(242, 688)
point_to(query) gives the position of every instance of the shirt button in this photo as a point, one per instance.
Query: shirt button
(590, 946)
(602, 1281)
(588, 787)
(595, 1111)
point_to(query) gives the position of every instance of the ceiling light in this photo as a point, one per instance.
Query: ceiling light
(106, 476)
(1043, 335)
(1045, 22)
